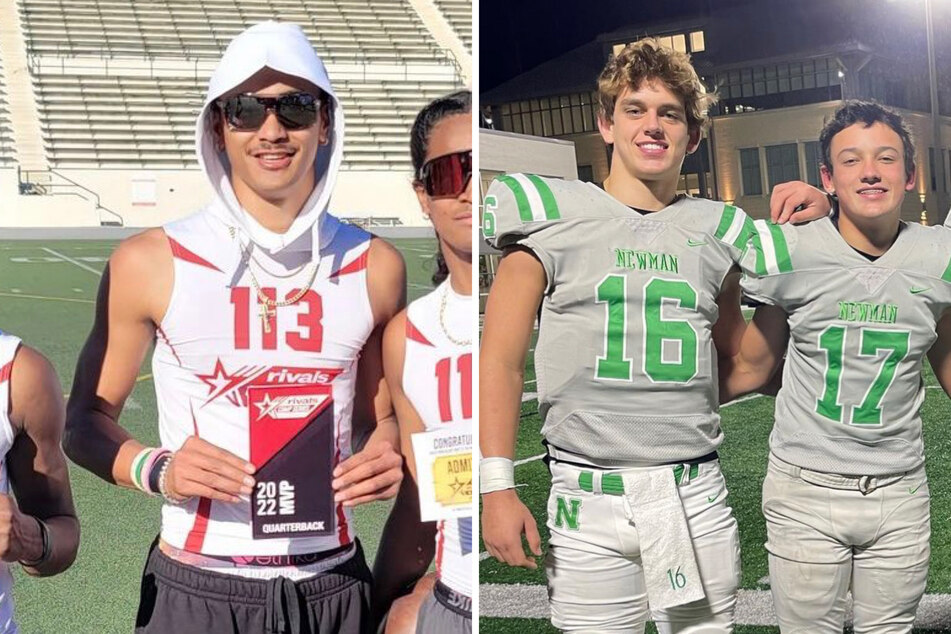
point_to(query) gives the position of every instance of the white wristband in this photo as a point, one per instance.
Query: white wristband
(496, 474)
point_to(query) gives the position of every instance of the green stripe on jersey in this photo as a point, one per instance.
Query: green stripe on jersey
(548, 199)
(760, 264)
(947, 273)
(783, 263)
(726, 219)
(742, 241)
(524, 208)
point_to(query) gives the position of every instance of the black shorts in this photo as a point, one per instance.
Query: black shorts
(180, 599)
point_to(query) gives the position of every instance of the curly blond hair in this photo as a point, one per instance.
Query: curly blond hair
(644, 60)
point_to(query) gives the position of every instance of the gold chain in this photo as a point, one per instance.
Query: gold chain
(269, 306)
(442, 320)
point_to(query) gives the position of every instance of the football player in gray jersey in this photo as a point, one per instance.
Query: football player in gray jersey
(635, 290)
(861, 299)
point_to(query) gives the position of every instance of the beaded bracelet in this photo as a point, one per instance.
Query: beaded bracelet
(144, 465)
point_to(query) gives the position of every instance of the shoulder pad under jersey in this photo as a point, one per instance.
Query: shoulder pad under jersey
(932, 251)
(518, 205)
(724, 222)
(772, 247)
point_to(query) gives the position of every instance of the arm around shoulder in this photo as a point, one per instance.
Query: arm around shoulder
(760, 353)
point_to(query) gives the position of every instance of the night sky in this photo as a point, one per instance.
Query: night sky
(517, 35)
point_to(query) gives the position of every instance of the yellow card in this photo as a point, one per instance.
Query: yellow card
(452, 479)
(444, 472)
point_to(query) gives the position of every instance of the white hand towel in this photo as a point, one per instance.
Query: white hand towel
(670, 567)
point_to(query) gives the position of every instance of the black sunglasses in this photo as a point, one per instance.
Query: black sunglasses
(447, 175)
(295, 111)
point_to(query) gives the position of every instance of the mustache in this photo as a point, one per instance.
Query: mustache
(265, 146)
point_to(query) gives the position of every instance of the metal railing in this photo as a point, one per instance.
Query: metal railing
(52, 183)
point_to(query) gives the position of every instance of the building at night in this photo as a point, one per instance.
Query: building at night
(780, 72)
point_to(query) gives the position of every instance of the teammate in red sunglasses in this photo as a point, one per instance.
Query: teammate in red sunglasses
(427, 352)
(259, 308)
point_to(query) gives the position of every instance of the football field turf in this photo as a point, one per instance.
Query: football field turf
(47, 293)
(746, 423)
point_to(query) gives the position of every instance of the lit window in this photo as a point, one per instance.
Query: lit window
(666, 41)
(618, 48)
(696, 42)
(680, 43)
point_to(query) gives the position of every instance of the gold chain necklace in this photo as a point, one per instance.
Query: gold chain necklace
(268, 309)
(442, 320)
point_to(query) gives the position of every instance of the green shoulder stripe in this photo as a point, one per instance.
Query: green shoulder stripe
(734, 227)
(524, 210)
(760, 265)
(783, 261)
(726, 220)
(947, 273)
(535, 201)
(742, 241)
(772, 251)
(548, 199)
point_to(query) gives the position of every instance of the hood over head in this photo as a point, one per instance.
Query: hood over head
(282, 47)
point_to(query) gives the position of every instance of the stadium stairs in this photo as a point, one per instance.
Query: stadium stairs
(104, 107)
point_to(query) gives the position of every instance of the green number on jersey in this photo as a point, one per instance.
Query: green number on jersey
(658, 330)
(488, 216)
(832, 340)
(870, 412)
(614, 364)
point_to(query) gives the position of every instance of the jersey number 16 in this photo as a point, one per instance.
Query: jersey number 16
(617, 362)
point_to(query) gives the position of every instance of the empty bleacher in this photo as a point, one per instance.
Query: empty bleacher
(342, 30)
(102, 101)
(7, 154)
(116, 121)
(459, 15)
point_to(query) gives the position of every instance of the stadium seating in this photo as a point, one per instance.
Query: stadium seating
(342, 30)
(7, 153)
(111, 119)
(118, 83)
(120, 121)
(459, 15)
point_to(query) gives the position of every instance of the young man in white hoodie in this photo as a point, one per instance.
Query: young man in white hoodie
(259, 306)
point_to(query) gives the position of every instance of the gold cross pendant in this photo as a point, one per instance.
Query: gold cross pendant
(267, 313)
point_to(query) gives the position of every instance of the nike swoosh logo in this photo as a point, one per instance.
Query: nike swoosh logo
(713, 499)
(915, 291)
(694, 243)
(915, 490)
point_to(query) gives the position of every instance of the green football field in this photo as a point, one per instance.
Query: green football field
(47, 292)
(507, 595)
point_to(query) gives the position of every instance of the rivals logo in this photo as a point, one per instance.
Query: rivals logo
(234, 386)
(290, 407)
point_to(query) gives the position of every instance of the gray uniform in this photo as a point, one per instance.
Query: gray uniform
(627, 381)
(846, 497)
(625, 361)
(859, 331)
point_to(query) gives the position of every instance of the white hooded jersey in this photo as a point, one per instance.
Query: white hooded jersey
(8, 349)
(437, 379)
(275, 388)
